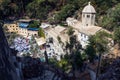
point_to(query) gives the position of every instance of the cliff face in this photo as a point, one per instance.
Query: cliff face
(8, 70)
(113, 72)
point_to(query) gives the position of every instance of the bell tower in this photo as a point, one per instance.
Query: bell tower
(88, 15)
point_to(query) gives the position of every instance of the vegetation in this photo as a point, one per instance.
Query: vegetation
(116, 35)
(98, 45)
(63, 64)
(59, 9)
(10, 7)
(35, 9)
(90, 51)
(111, 20)
(70, 31)
(73, 60)
(34, 24)
(74, 57)
(67, 11)
(41, 33)
(59, 39)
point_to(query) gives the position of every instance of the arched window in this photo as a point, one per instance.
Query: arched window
(83, 15)
(35, 34)
(86, 24)
(88, 16)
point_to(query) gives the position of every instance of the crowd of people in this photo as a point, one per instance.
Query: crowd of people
(21, 44)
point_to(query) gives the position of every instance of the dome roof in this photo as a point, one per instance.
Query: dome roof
(89, 9)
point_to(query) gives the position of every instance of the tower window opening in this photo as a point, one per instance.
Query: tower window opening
(88, 16)
(83, 15)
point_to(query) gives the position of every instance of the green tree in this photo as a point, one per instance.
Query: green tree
(39, 9)
(70, 31)
(111, 20)
(116, 35)
(66, 11)
(34, 24)
(74, 56)
(41, 33)
(90, 51)
(99, 44)
(63, 63)
(59, 39)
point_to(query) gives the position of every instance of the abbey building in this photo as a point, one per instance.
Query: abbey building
(86, 27)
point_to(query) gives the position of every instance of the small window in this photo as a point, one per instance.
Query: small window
(35, 34)
(88, 16)
(92, 16)
(83, 15)
(84, 36)
(81, 34)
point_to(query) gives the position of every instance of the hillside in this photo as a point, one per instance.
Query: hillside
(51, 10)
(75, 62)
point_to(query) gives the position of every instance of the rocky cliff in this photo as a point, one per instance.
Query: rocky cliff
(112, 72)
(15, 68)
(8, 69)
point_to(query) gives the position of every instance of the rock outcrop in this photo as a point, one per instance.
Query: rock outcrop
(113, 72)
(20, 68)
(8, 69)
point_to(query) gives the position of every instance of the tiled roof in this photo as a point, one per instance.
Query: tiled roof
(90, 30)
(59, 29)
(89, 9)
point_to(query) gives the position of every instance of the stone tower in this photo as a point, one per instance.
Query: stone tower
(88, 15)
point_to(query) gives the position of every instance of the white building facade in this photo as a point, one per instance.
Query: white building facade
(86, 27)
(88, 15)
(88, 21)
(83, 38)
